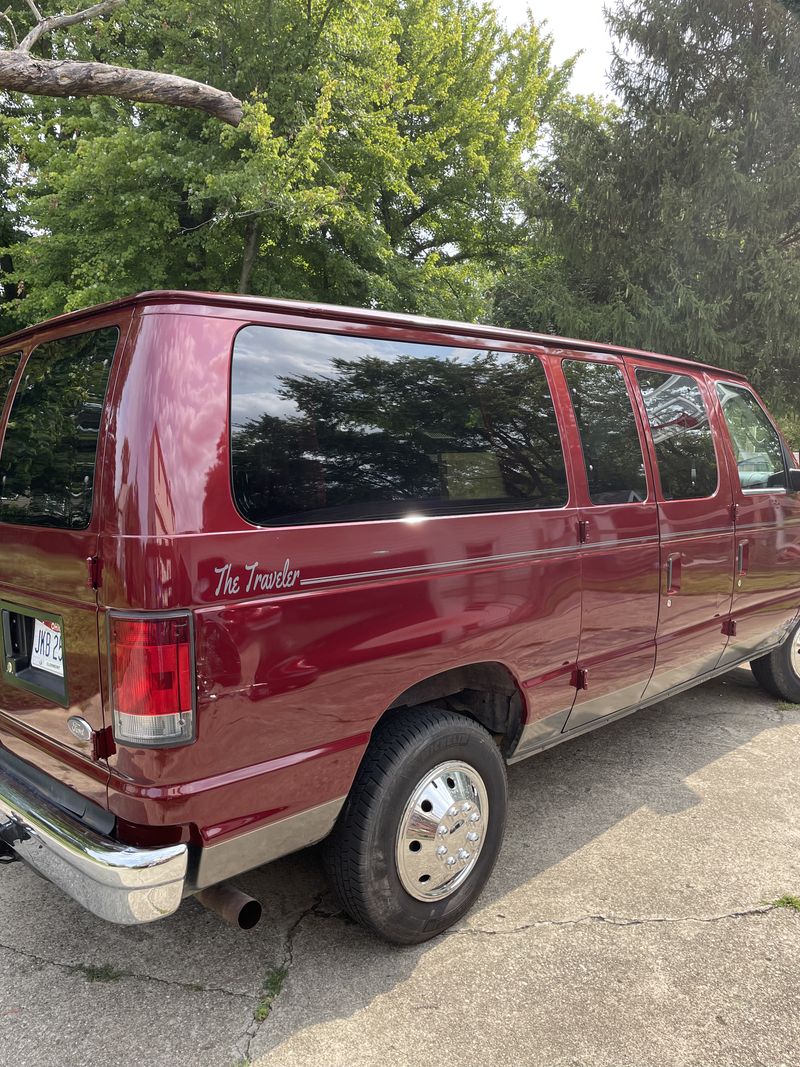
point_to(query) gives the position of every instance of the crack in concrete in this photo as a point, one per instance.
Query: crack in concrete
(255, 1025)
(80, 968)
(612, 920)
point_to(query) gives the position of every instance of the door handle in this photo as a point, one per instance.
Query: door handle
(673, 573)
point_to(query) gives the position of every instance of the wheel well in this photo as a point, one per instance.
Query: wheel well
(486, 692)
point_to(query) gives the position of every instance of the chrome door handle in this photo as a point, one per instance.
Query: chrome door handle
(742, 556)
(673, 573)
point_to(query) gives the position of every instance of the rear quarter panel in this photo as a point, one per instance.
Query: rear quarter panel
(291, 682)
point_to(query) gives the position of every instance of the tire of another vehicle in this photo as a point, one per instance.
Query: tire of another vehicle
(364, 853)
(779, 672)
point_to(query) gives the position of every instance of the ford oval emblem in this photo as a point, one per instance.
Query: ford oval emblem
(79, 728)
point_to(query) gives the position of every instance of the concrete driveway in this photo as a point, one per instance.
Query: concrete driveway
(627, 923)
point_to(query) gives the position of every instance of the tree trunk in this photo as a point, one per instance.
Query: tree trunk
(46, 77)
(252, 235)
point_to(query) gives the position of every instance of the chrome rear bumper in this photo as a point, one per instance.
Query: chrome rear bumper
(113, 881)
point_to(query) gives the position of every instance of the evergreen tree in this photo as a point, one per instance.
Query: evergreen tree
(672, 222)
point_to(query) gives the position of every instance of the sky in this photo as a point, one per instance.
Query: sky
(575, 25)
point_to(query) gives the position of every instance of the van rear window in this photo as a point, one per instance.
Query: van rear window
(47, 465)
(326, 428)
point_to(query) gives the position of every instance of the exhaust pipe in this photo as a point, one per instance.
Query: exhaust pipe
(234, 907)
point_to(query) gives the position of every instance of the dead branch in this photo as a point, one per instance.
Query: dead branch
(11, 27)
(60, 77)
(24, 73)
(56, 22)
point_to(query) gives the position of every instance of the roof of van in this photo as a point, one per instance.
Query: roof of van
(361, 315)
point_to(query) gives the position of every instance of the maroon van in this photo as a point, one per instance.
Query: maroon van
(272, 573)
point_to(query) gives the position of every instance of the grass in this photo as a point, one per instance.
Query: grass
(273, 984)
(787, 901)
(106, 973)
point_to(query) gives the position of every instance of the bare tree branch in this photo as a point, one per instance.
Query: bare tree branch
(56, 22)
(35, 11)
(11, 26)
(23, 73)
(47, 77)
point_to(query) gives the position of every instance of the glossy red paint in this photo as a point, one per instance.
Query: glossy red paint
(697, 535)
(766, 565)
(290, 683)
(619, 581)
(46, 569)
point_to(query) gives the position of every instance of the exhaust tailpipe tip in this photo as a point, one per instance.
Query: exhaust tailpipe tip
(231, 905)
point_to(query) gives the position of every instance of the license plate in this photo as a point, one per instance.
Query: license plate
(46, 653)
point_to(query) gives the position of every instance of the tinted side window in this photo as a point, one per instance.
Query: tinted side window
(327, 428)
(48, 459)
(612, 451)
(758, 450)
(681, 432)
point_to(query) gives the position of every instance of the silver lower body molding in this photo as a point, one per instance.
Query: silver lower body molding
(253, 848)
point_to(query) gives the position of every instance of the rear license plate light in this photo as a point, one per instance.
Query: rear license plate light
(152, 679)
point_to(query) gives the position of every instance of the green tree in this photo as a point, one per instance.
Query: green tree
(378, 162)
(673, 221)
(379, 429)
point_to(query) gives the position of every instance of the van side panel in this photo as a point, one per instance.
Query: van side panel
(305, 635)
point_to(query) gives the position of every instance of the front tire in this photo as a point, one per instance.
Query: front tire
(779, 672)
(422, 826)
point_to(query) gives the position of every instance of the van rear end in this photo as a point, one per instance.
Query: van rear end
(54, 738)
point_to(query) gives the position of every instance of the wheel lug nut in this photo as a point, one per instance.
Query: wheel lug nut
(463, 854)
(450, 861)
(453, 810)
(472, 836)
(442, 830)
(466, 806)
(441, 850)
(475, 816)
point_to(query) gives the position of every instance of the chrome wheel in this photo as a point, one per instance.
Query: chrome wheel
(442, 831)
(794, 654)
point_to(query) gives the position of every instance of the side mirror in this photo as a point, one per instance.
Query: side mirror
(794, 480)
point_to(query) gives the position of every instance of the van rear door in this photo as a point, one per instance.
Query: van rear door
(49, 467)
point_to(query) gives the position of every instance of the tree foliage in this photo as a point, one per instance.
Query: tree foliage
(420, 156)
(672, 221)
(378, 162)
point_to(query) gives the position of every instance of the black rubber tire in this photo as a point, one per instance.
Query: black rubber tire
(775, 672)
(359, 855)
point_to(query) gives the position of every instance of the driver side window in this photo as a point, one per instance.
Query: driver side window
(756, 445)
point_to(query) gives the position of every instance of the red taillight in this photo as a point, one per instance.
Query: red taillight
(152, 680)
